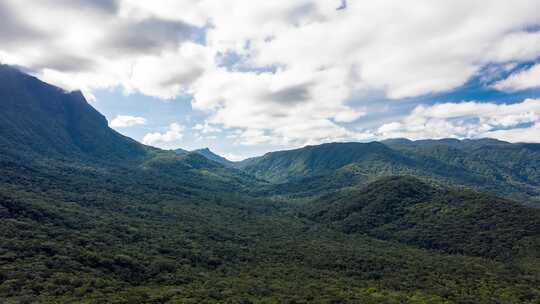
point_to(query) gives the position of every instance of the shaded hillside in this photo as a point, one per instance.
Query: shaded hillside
(39, 118)
(291, 165)
(517, 166)
(51, 134)
(487, 165)
(456, 221)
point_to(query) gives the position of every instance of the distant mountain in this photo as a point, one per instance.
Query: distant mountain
(208, 154)
(291, 165)
(38, 118)
(486, 164)
(505, 167)
(466, 144)
(212, 156)
(409, 210)
(180, 151)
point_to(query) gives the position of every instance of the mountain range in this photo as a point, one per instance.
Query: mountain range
(88, 215)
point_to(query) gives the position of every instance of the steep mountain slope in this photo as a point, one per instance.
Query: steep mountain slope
(40, 118)
(456, 221)
(47, 131)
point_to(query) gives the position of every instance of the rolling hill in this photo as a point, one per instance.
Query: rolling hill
(487, 165)
(456, 221)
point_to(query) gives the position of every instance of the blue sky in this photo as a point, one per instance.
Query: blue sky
(244, 78)
(160, 114)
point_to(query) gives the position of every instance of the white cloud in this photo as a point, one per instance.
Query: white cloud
(234, 157)
(328, 56)
(170, 73)
(529, 134)
(125, 121)
(206, 128)
(396, 52)
(467, 120)
(299, 62)
(173, 134)
(526, 79)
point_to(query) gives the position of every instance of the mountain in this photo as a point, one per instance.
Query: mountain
(488, 165)
(453, 142)
(45, 130)
(90, 216)
(456, 221)
(507, 168)
(212, 156)
(209, 155)
(38, 118)
(291, 165)
(181, 151)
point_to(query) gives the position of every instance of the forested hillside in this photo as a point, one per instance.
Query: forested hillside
(493, 166)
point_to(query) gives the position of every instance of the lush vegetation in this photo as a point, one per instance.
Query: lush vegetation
(456, 221)
(89, 216)
(497, 167)
(116, 247)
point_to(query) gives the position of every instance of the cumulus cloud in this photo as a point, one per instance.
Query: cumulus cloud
(173, 134)
(276, 108)
(108, 44)
(148, 36)
(296, 65)
(15, 31)
(522, 80)
(512, 122)
(169, 74)
(125, 121)
(104, 6)
(322, 57)
(206, 128)
(233, 157)
(527, 134)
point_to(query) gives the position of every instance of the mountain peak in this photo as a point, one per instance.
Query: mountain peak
(39, 118)
(213, 156)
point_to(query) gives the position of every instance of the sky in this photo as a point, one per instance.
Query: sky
(248, 77)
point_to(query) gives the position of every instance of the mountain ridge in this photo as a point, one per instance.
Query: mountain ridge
(484, 164)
